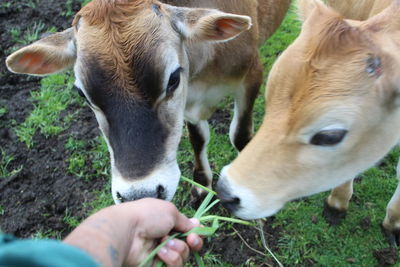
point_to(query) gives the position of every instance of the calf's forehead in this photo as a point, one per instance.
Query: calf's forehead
(136, 66)
(301, 91)
(125, 46)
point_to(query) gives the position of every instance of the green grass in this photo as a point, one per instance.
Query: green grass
(85, 2)
(97, 153)
(77, 160)
(68, 6)
(70, 219)
(46, 234)
(305, 236)
(5, 5)
(5, 161)
(28, 36)
(54, 97)
(32, 4)
(3, 111)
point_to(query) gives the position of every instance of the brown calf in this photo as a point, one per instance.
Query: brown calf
(144, 65)
(332, 112)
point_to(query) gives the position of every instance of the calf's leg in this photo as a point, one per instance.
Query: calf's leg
(337, 203)
(391, 223)
(241, 128)
(199, 135)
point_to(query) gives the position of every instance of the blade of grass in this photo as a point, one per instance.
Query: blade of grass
(209, 207)
(203, 231)
(264, 242)
(226, 219)
(199, 260)
(215, 224)
(203, 205)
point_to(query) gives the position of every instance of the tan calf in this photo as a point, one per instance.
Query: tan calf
(333, 111)
(145, 65)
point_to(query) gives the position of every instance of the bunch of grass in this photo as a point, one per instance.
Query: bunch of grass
(210, 224)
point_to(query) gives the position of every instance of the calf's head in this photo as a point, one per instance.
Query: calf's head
(332, 112)
(132, 63)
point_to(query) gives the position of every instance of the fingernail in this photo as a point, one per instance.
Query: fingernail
(171, 243)
(195, 241)
(164, 250)
(194, 221)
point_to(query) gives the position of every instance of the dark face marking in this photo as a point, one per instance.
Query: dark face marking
(135, 133)
(136, 136)
(145, 75)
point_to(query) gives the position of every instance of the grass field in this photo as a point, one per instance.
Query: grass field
(305, 238)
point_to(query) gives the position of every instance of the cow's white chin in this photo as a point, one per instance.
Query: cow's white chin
(253, 214)
(161, 183)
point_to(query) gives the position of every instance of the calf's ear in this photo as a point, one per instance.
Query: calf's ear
(306, 7)
(49, 55)
(208, 24)
(386, 20)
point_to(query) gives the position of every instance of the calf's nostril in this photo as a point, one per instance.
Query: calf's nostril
(160, 192)
(120, 198)
(231, 201)
(235, 200)
(231, 204)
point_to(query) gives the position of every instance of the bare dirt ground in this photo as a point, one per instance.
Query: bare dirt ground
(37, 198)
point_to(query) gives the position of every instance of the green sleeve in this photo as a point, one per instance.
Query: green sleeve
(41, 253)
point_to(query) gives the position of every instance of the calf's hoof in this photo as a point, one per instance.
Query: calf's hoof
(332, 215)
(198, 197)
(392, 236)
(200, 177)
(198, 193)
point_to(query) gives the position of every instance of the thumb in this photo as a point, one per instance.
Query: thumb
(183, 224)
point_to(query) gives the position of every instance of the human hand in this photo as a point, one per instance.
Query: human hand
(155, 220)
(123, 235)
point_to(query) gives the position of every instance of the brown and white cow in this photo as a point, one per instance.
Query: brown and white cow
(333, 110)
(145, 65)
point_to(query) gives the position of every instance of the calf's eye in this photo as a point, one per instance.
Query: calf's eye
(328, 137)
(174, 81)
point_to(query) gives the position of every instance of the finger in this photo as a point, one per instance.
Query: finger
(183, 224)
(194, 241)
(170, 257)
(180, 247)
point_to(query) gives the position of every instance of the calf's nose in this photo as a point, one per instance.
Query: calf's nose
(159, 193)
(230, 202)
